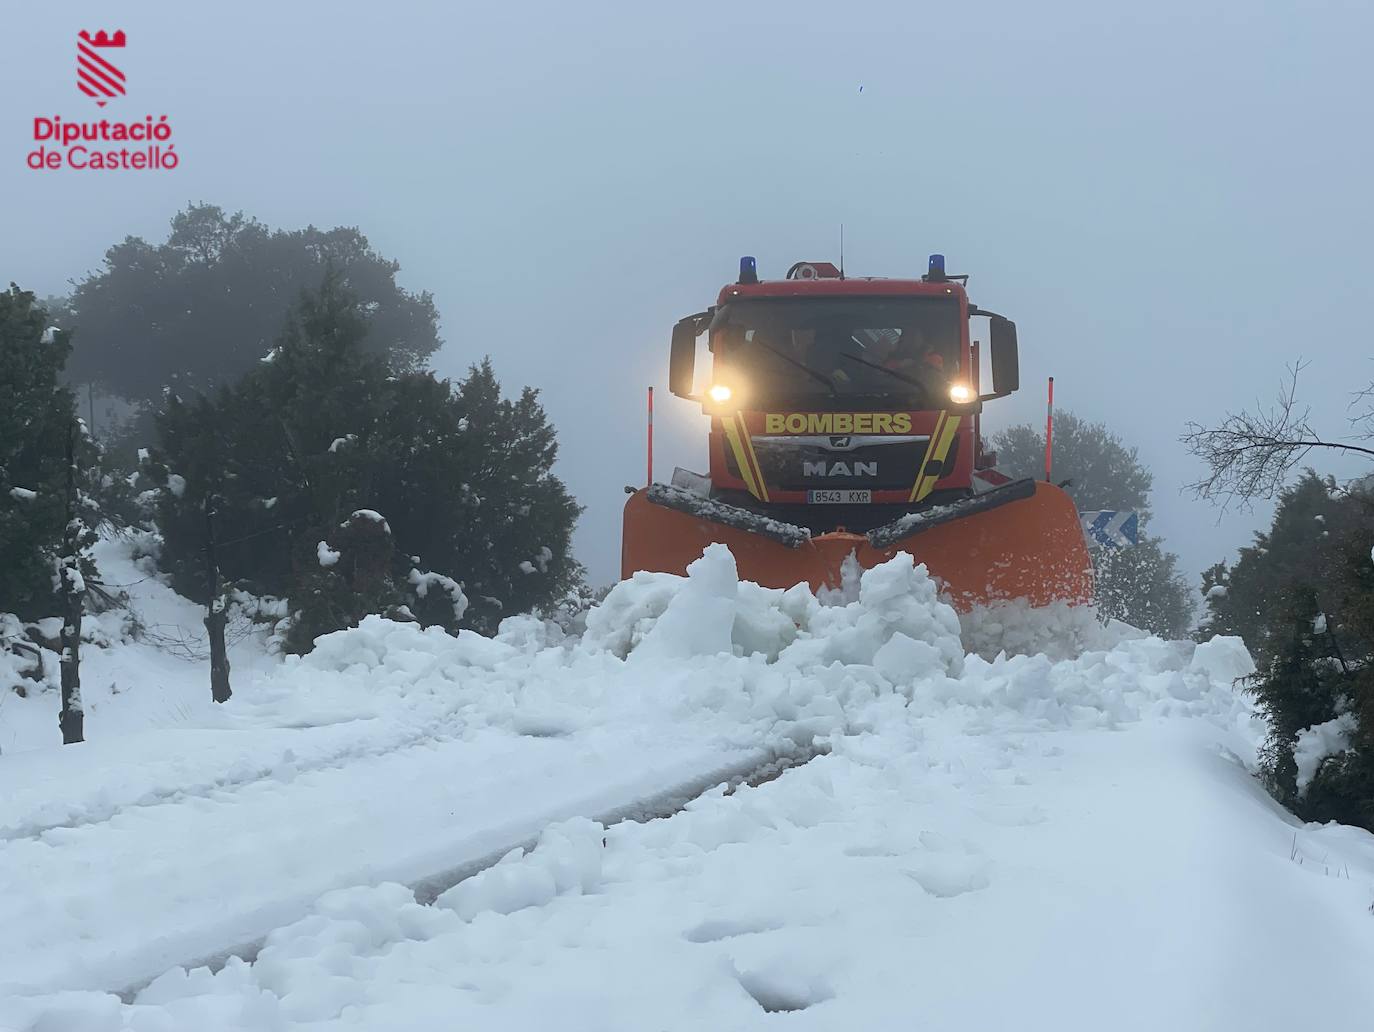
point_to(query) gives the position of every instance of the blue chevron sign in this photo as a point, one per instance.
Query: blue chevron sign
(1110, 528)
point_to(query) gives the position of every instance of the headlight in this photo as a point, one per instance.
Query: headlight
(719, 393)
(960, 394)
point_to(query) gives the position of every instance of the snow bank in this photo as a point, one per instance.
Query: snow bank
(392, 752)
(710, 612)
(954, 866)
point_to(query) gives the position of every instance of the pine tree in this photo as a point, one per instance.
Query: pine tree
(512, 550)
(1303, 600)
(300, 452)
(34, 409)
(36, 412)
(1288, 553)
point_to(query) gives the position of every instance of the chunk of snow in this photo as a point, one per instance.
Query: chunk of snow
(1319, 624)
(699, 619)
(49, 334)
(1319, 742)
(1224, 660)
(374, 516)
(526, 566)
(327, 555)
(1217, 591)
(176, 483)
(69, 574)
(566, 861)
(143, 455)
(22, 494)
(422, 582)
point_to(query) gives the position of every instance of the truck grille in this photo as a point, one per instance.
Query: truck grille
(840, 461)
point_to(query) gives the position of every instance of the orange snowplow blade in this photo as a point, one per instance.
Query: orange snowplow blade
(1032, 548)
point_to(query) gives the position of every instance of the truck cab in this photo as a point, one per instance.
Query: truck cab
(843, 402)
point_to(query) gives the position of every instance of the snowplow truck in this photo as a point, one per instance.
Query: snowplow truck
(844, 422)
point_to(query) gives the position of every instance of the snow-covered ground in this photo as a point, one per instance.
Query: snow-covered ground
(1029, 842)
(163, 683)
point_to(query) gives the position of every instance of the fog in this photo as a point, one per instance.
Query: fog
(1172, 200)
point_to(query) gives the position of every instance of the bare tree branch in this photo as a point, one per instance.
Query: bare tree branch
(1251, 454)
(1363, 421)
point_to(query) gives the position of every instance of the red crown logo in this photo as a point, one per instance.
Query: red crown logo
(96, 75)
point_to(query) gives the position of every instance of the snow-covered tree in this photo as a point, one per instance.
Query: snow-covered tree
(1302, 596)
(36, 411)
(324, 430)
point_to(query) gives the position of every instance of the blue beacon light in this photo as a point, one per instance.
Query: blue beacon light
(748, 270)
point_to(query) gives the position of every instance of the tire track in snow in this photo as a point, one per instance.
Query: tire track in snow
(757, 770)
(104, 812)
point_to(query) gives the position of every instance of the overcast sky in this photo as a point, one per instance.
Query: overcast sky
(1173, 200)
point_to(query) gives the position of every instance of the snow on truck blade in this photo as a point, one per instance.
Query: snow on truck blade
(1061, 840)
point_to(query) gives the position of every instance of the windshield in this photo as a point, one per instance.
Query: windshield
(818, 350)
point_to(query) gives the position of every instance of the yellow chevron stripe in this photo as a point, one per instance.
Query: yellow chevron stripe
(945, 429)
(748, 440)
(746, 468)
(925, 459)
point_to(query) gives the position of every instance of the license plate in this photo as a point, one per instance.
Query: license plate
(839, 497)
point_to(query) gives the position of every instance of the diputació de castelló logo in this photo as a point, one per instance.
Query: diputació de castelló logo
(144, 143)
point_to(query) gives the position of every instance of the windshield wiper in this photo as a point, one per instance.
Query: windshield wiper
(814, 373)
(884, 369)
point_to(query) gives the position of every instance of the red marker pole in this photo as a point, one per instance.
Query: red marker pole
(1049, 433)
(651, 438)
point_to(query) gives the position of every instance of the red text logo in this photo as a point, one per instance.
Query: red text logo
(109, 144)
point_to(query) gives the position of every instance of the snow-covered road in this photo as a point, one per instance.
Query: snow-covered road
(181, 875)
(1017, 842)
(1132, 879)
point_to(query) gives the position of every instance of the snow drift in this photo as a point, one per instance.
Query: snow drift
(991, 839)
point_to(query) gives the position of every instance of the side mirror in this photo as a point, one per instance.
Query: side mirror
(683, 356)
(1006, 369)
